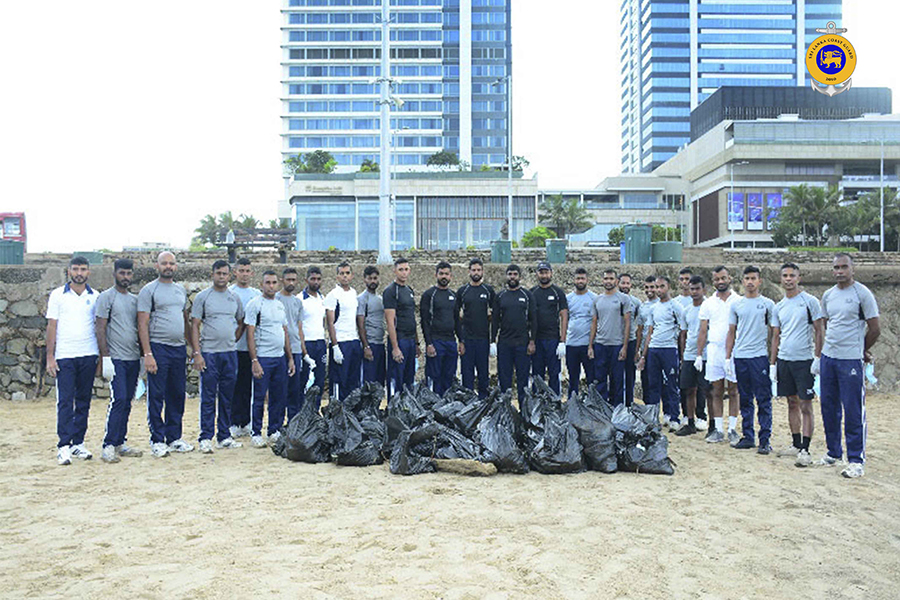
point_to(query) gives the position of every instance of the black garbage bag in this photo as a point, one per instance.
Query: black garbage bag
(634, 421)
(365, 401)
(351, 445)
(595, 432)
(458, 393)
(447, 410)
(653, 458)
(404, 411)
(594, 400)
(415, 451)
(551, 442)
(406, 462)
(427, 399)
(306, 436)
(281, 443)
(500, 432)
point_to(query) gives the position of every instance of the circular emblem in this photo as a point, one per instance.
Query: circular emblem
(831, 59)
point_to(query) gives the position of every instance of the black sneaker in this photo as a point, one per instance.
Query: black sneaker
(686, 429)
(764, 449)
(744, 443)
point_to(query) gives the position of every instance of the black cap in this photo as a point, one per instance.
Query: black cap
(544, 265)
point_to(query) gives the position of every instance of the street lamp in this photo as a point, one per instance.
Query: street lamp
(509, 166)
(731, 199)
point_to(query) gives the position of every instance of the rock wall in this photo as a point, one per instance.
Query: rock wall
(24, 291)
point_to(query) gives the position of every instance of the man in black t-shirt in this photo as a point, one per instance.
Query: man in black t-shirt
(474, 300)
(400, 320)
(513, 326)
(552, 322)
(437, 311)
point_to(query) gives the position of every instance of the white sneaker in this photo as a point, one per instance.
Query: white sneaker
(234, 431)
(827, 461)
(674, 425)
(180, 446)
(206, 446)
(733, 436)
(159, 450)
(241, 431)
(701, 425)
(63, 455)
(228, 443)
(803, 459)
(788, 450)
(128, 452)
(257, 441)
(853, 470)
(81, 452)
(274, 438)
(108, 454)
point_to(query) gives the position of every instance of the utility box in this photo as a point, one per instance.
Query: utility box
(12, 252)
(556, 250)
(666, 252)
(638, 238)
(501, 251)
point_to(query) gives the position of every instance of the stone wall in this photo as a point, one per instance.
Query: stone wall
(24, 291)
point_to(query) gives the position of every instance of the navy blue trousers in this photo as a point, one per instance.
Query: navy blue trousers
(74, 388)
(476, 359)
(609, 373)
(294, 389)
(375, 369)
(662, 380)
(753, 383)
(217, 389)
(274, 383)
(403, 373)
(165, 394)
(243, 391)
(630, 371)
(844, 391)
(545, 363)
(441, 369)
(346, 376)
(509, 357)
(318, 351)
(576, 359)
(124, 384)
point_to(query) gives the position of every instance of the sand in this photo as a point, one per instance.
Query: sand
(244, 523)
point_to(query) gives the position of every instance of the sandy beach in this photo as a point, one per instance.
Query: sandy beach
(244, 523)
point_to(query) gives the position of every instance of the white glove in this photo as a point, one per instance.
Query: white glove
(814, 367)
(729, 369)
(337, 355)
(309, 361)
(698, 364)
(109, 371)
(494, 349)
(773, 373)
(561, 350)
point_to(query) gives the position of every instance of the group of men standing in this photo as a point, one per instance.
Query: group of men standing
(252, 344)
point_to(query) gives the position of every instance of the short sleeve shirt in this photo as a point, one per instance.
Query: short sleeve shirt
(752, 316)
(371, 307)
(166, 303)
(846, 312)
(795, 317)
(120, 311)
(269, 318)
(549, 301)
(581, 311)
(402, 299)
(667, 321)
(715, 311)
(635, 307)
(343, 303)
(610, 310)
(219, 314)
(692, 327)
(313, 316)
(293, 310)
(246, 295)
(644, 311)
(74, 315)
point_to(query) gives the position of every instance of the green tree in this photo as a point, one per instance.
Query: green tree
(564, 216)
(279, 224)
(369, 166)
(616, 235)
(444, 158)
(319, 161)
(535, 238)
(248, 222)
(207, 230)
(226, 222)
(520, 163)
(661, 233)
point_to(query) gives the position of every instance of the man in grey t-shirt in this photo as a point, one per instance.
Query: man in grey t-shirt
(692, 379)
(370, 325)
(293, 310)
(578, 333)
(163, 326)
(217, 321)
(631, 355)
(243, 389)
(117, 340)
(747, 358)
(610, 327)
(663, 342)
(851, 329)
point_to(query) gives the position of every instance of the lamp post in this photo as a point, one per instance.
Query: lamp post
(509, 166)
(731, 199)
(881, 187)
(384, 192)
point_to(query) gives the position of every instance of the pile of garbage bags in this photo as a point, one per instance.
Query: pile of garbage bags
(546, 435)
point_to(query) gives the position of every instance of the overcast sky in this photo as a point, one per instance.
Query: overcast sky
(124, 122)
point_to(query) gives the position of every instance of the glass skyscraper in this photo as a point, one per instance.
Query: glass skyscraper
(446, 59)
(675, 53)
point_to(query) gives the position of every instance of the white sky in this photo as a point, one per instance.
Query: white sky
(125, 122)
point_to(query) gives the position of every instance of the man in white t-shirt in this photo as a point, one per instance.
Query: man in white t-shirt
(346, 351)
(72, 356)
(313, 325)
(714, 331)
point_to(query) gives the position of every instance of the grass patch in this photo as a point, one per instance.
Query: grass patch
(822, 249)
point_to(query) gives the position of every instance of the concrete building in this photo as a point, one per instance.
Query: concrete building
(432, 211)
(676, 53)
(447, 57)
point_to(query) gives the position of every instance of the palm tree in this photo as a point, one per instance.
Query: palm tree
(564, 216)
(247, 222)
(207, 230)
(799, 205)
(279, 223)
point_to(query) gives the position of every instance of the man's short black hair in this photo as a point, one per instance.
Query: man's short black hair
(475, 261)
(720, 268)
(686, 271)
(123, 263)
(581, 271)
(79, 260)
(313, 270)
(611, 270)
(697, 280)
(844, 255)
(650, 279)
(442, 265)
(269, 272)
(628, 275)
(751, 269)
(790, 265)
(343, 264)
(220, 264)
(370, 270)
(400, 261)
(289, 270)
(243, 261)
(513, 267)
(664, 278)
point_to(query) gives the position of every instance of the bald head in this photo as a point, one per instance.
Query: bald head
(165, 266)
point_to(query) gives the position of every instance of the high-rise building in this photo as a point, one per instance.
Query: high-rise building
(675, 53)
(448, 60)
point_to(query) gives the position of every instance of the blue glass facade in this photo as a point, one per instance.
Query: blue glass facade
(676, 53)
(445, 62)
